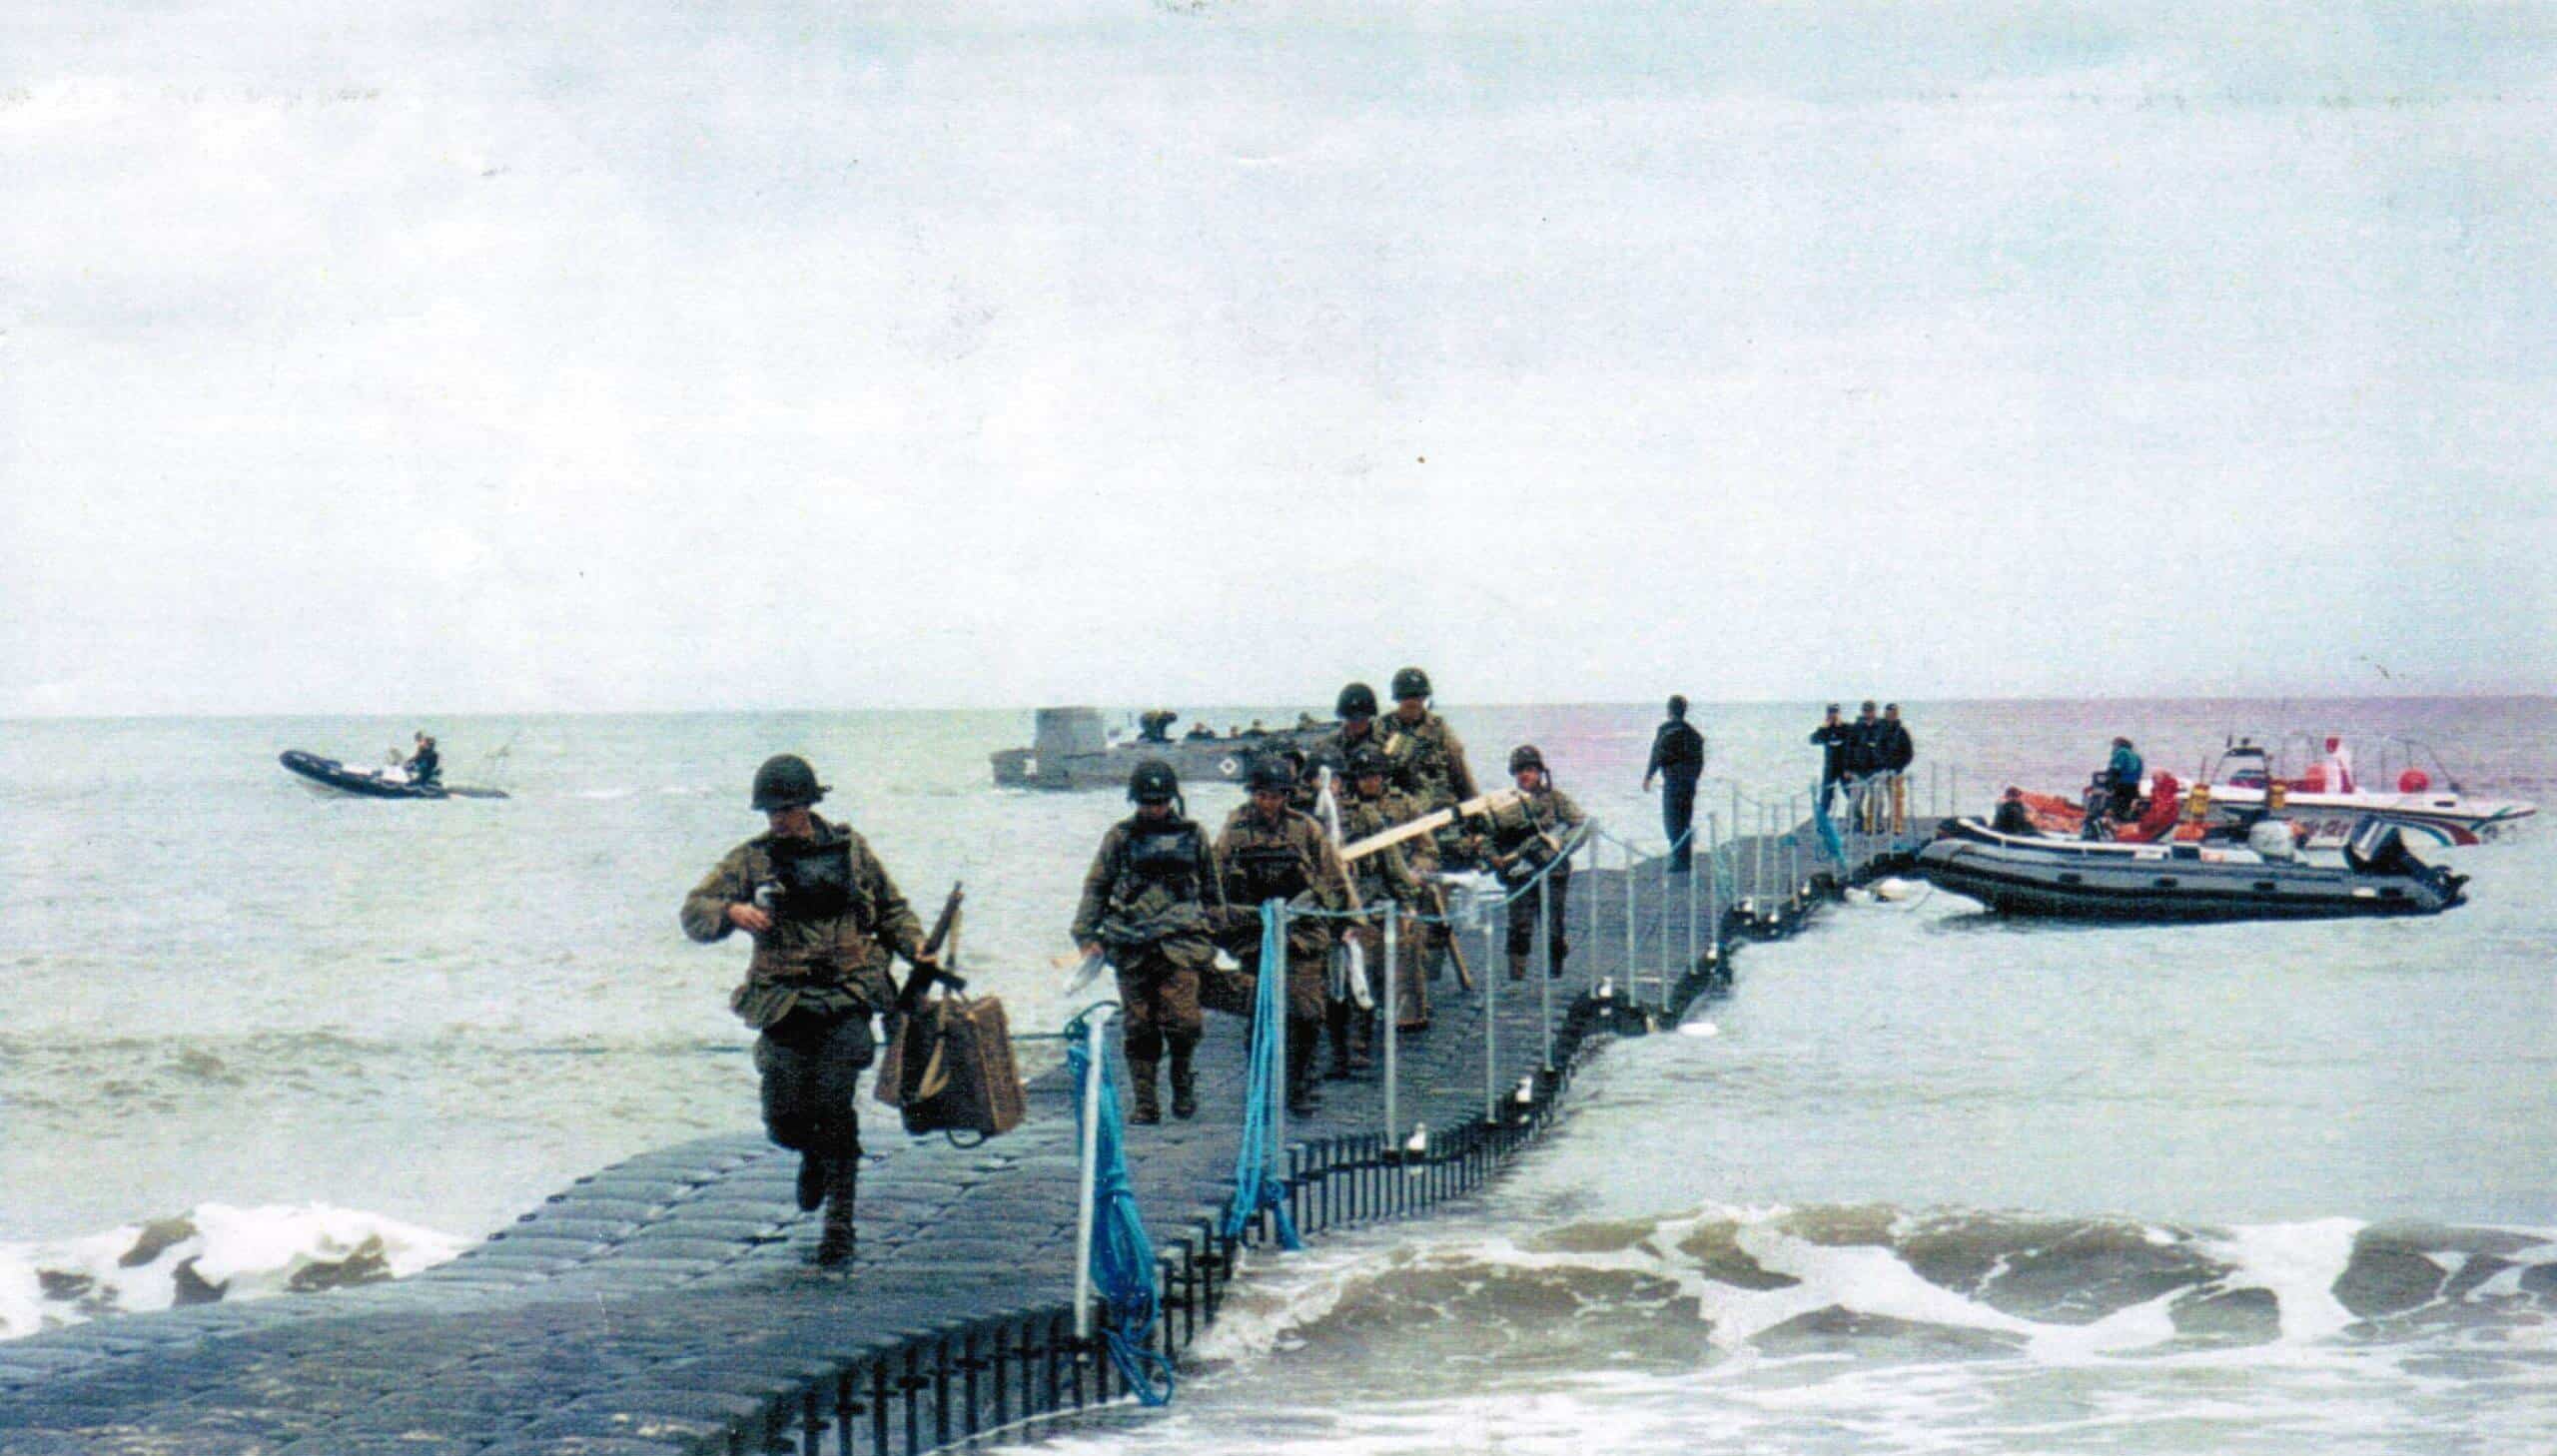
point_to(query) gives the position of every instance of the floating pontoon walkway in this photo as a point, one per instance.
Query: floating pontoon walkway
(663, 1306)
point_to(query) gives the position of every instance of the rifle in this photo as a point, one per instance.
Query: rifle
(1456, 951)
(1435, 819)
(944, 929)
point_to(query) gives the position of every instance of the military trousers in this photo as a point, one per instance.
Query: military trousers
(1554, 891)
(1678, 818)
(1159, 992)
(1411, 973)
(810, 1064)
(1308, 967)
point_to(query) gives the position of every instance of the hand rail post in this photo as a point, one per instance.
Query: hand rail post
(1544, 970)
(1393, 1015)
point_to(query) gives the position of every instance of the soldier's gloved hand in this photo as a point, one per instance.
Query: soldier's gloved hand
(749, 918)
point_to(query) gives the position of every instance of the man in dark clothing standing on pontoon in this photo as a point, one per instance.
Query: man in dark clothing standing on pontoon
(1836, 739)
(1892, 753)
(1678, 760)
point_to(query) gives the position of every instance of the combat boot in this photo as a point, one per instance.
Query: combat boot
(835, 1239)
(1517, 965)
(1149, 1110)
(1184, 1088)
(1336, 1018)
(1305, 1095)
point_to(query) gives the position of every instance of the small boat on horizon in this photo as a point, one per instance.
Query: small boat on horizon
(329, 778)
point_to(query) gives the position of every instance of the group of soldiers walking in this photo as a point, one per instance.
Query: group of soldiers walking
(1161, 900)
(1161, 915)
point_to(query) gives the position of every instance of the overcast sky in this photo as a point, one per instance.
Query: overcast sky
(626, 354)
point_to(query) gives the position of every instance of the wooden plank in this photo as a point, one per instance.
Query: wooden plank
(1471, 809)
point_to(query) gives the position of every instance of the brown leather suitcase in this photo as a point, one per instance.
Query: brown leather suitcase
(954, 1069)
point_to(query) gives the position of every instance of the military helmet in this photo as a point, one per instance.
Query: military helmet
(1525, 756)
(1411, 682)
(1151, 781)
(1367, 760)
(1358, 700)
(1271, 771)
(786, 782)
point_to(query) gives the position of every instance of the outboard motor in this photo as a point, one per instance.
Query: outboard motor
(2377, 848)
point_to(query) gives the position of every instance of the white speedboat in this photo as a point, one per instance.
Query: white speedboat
(2408, 787)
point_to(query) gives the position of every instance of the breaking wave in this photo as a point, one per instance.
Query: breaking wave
(211, 1253)
(1711, 1284)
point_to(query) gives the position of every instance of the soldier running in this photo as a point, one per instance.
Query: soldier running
(1150, 903)
(1268, 850)
(824, 917)
(1525, 836)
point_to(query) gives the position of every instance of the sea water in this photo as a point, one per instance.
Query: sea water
(1934, 1182)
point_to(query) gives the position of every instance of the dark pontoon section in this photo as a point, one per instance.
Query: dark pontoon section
(662, 1305)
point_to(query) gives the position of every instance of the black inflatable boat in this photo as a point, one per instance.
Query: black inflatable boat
(2031, 875)
(328, 776)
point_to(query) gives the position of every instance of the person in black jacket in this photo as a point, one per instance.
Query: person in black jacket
(1677, 760)
(1893, 751)
(1835, 738)
(1864, 763)
(425, 766)
(2012, 815)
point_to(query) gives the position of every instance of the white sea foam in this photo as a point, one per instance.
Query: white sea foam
(211, 1251)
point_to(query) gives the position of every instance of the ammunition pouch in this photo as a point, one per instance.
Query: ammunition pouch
(1118, 933)
(816, 878)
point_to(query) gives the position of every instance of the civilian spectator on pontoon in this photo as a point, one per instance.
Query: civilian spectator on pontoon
(1863, 768)
(2013, 816)
(1833, 737)
(2121, 776)
(1894, 750)
(1677, 760)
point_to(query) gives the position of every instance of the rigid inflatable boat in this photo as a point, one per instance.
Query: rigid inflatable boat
(2076, 878)
(328, 776)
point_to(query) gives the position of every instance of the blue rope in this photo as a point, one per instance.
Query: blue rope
(1257, 1182)
(1123, 1258)
(1829, 838)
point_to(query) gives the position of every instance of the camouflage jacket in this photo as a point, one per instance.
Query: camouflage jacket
(1386, 874)
(1150, 881)
(1530, 829)
(1289, 860)
(1428, 760)
(829, 954)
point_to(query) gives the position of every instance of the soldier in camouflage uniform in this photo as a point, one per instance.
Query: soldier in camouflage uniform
(1427, 763)
(1356, 710)
(1523, 837)
(1151, 904)
(825, 917)
(1268, 850)
(1429, 759)
(1371, 807)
